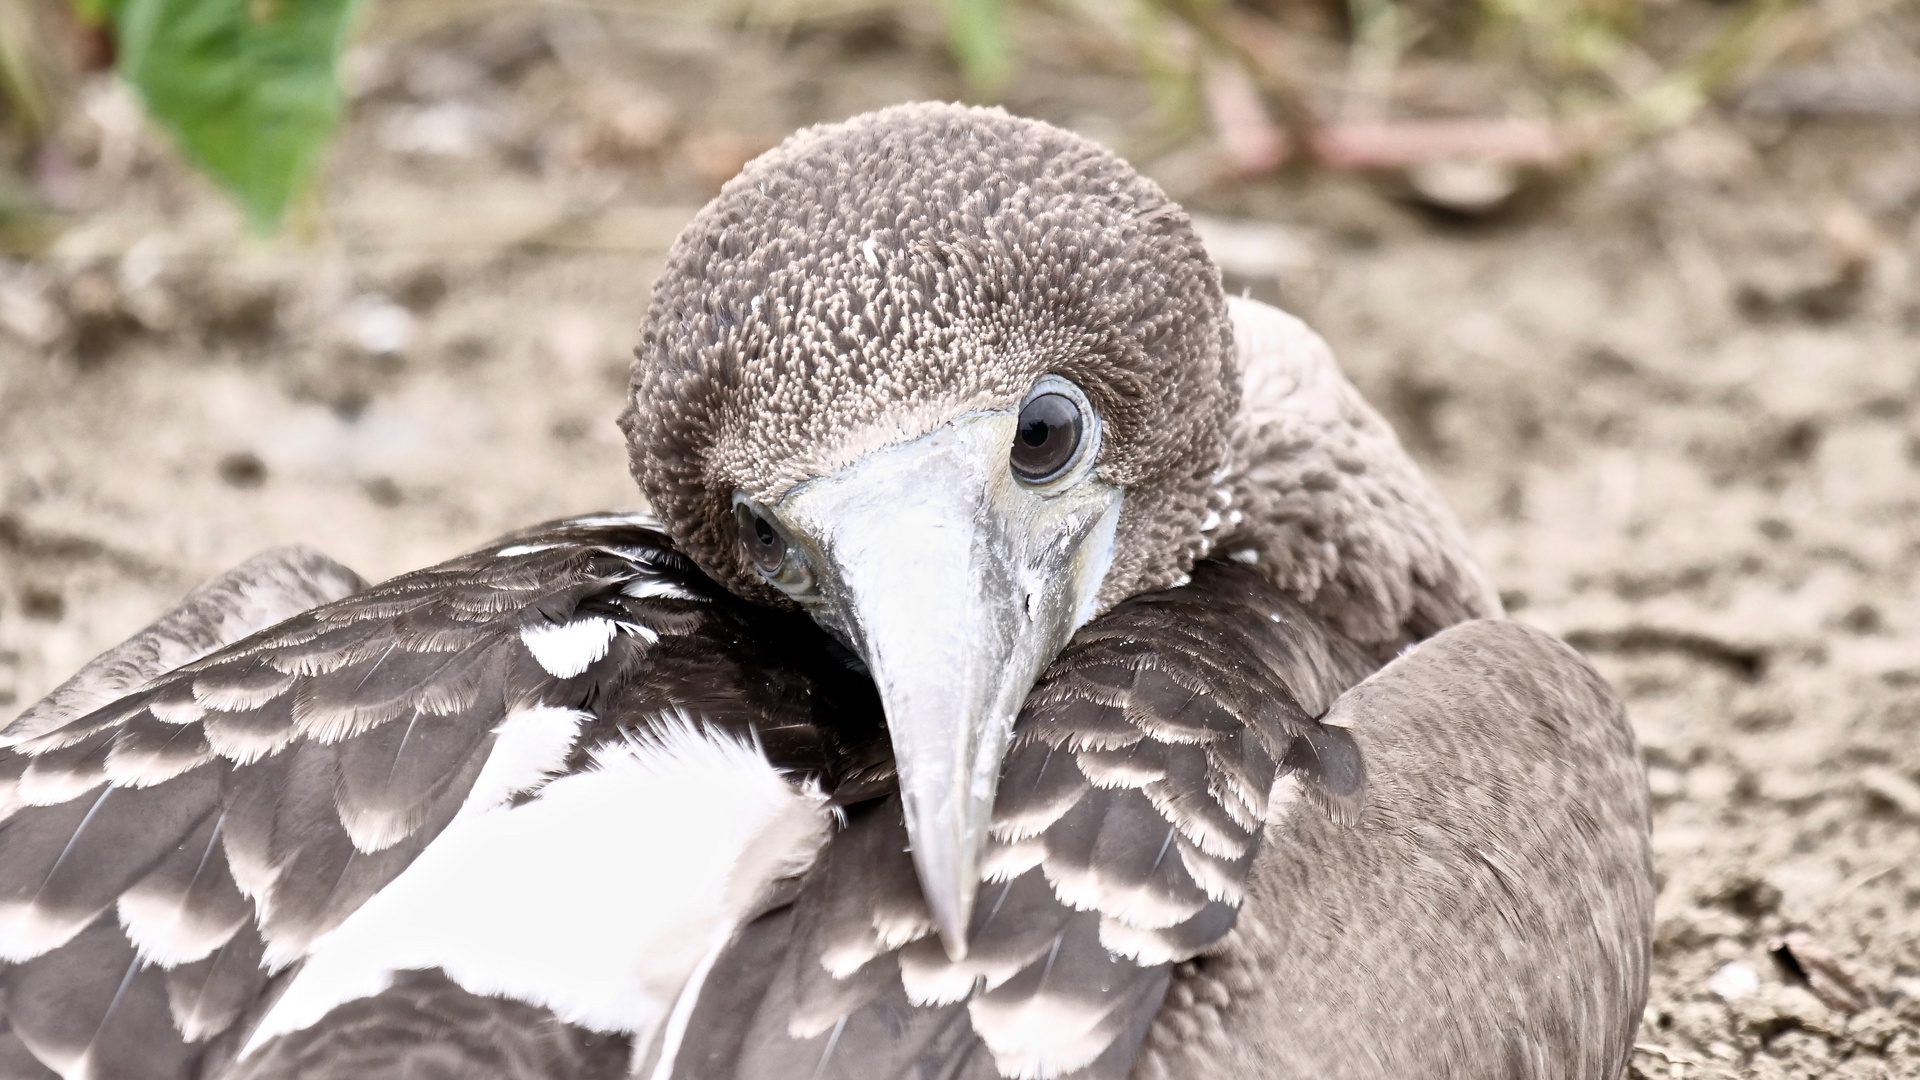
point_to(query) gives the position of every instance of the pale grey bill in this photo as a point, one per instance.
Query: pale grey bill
(957, 584)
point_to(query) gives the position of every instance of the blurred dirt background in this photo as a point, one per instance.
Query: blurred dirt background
(1670, 376)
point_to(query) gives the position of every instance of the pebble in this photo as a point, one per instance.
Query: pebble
(378, 325)
(1665, 783)
(446, 129)
(1470, 187)
(1735, 980)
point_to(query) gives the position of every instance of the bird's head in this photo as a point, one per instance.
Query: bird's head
(954, 383)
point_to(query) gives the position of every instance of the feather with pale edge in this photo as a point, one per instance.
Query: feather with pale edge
(1130, 810)
(165, 851)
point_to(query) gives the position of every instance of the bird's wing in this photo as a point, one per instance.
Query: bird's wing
(1129, 813)
(309, 810)
(1490, 912)
(267, 588)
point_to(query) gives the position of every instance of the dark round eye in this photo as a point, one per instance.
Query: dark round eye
(1047, 438)
(764, 545)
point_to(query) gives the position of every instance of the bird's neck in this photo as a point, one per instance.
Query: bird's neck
(1318, 494)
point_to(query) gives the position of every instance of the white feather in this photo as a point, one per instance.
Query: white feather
(929, 978)
(641, 588)
(1218, 881)
(597, 899)
(1135, 903)
(244, 744)
(238, 698)
(164, 932)
(640, 518)
(256, 878)
(176, 712)
(38, 787)
(569, 648)
(530, 746)
(522, 549)
(689, 996)
(1003, 861)
(28, 930)
(1046, 1036)
(1143, 947)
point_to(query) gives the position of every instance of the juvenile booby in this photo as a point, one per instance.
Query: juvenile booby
(1040, 666)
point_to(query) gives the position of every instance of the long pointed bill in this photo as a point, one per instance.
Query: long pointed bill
(957, 585)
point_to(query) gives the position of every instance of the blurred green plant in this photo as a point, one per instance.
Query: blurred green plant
(977, 35)
(246, 87)
(1562, 36)
(21, 83)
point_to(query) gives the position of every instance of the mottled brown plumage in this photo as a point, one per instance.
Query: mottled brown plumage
(1490, 914)
(1127, 822)
(1324, 502)
(864, 283)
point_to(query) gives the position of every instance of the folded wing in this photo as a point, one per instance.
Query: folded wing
(1490, 912)
(1129, 815)
(170, 856)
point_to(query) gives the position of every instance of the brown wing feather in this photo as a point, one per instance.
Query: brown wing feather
(164, 854)
(1505, 804)
(265, 589)
(1129, 813)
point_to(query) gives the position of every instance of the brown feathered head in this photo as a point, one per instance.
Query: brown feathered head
(866, 283)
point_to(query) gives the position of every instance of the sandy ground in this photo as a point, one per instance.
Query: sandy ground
(1677, 401)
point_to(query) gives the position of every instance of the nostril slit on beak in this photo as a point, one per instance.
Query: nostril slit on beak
(1033, 605)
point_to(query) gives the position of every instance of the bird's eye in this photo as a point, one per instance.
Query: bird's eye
(1047, 437)
(783, 564)
(764, 545)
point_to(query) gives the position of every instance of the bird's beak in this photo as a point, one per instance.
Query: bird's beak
(956, 584)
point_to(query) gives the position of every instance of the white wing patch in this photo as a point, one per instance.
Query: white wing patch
(530, 747)
(675, 1030)
(598, 899)
(569, 648)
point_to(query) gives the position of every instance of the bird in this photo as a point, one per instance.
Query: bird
(1033, 663)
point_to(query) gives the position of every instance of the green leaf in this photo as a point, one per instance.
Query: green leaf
(97, 12)
(247, 87)
(977, 34)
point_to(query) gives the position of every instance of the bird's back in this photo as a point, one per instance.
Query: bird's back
(1490, 912)
(1214, 854)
